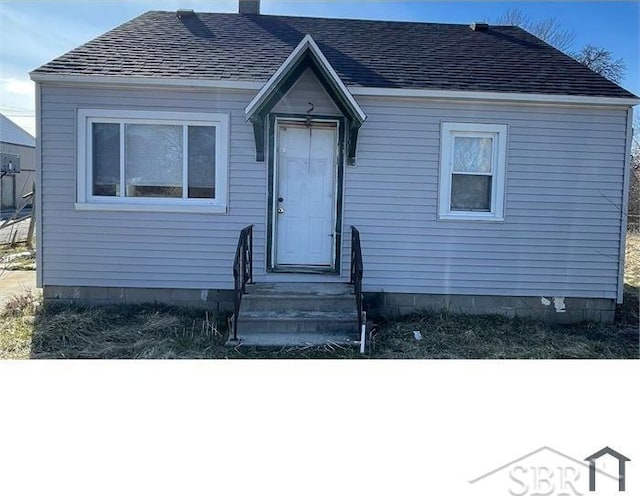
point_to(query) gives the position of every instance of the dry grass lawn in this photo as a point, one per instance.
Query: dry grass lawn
(632, 260)
(27, 330)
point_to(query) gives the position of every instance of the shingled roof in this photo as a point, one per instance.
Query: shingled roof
(382, 54)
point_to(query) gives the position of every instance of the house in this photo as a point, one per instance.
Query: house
(18, 158)
(483, 170)
(620, 458)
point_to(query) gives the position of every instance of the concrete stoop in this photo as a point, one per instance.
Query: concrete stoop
(297, 315)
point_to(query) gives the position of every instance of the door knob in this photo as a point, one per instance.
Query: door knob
(281, 210)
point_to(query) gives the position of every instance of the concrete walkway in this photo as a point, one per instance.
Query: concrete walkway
(13, 282)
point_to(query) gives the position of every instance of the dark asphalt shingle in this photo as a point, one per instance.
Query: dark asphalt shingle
(364, 53)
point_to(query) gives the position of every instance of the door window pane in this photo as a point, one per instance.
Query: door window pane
(106, 159)
(153, 160)
(472, 154)
(202, 161)
(471, 193)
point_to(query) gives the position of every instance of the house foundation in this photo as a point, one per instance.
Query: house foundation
(546, 308)
(216, 299)
(556, 310)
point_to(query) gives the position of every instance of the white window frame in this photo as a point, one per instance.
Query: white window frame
(451, 130)
(87, 201)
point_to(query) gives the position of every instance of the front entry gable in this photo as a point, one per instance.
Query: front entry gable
(307, 97)
(307, 55)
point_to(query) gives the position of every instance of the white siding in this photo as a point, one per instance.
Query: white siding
(560, 236)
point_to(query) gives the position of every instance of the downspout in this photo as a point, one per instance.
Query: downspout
(624, 208)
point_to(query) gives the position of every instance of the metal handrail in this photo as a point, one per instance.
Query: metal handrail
(357, 271)
(242, 272)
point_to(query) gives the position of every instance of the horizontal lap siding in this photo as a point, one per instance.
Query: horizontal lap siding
(562, 219)
(563, 201)
(145, 249)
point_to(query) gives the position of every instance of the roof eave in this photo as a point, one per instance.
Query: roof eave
(158, 81)
(495, 96)
(44, 77)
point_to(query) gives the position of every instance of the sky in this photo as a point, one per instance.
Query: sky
(33, 32)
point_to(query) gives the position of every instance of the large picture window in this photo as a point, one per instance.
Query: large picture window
(152, 160)
(472, 171)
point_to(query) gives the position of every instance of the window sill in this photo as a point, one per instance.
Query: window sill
(157, 207)
(468, 216)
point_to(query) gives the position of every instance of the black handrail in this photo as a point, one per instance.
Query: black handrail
(357, 271)
(242, 272)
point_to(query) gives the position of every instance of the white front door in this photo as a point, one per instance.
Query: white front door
(305, 202)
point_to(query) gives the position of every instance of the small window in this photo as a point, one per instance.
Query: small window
(152, 160)
(472, 171)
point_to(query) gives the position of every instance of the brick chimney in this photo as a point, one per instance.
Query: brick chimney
(249, 6)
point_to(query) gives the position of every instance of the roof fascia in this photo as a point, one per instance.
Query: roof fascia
(493, 96)
(73, 79)
(146, 81)
(18, 144)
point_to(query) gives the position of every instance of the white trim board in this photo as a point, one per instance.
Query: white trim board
(146, 81)
(84, 197)
(204, 84)
(492, 96)
(38, 196)
(624, 207)
(498, 134)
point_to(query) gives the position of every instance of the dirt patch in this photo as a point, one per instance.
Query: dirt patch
(16, 282)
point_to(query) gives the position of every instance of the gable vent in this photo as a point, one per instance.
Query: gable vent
(479, 26)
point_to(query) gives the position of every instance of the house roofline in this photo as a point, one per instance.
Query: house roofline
(607, 451)
(154, 81)
(307, 43)
(145, 81)
(494, 96)
(13, 143)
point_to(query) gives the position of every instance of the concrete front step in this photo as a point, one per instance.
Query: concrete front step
(294, 340)
(298, 302)
(294, 321)
(282, 297)
(300, 288)
(298, 314)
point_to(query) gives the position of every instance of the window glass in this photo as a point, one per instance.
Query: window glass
(153, 160)
(472, 154)
(472, 171)
(471, 192)
(106, 159)
(202, 161)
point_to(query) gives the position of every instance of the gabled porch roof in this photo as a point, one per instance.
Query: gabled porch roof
(306, 55)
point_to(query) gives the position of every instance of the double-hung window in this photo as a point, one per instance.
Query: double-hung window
(472, 171)
(142, 160)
